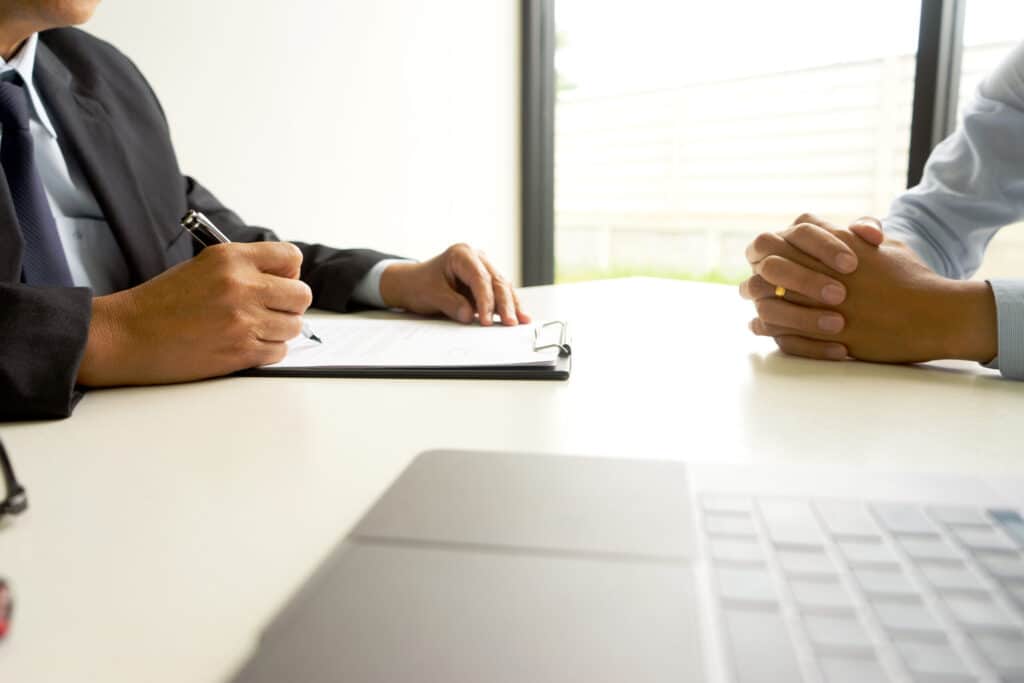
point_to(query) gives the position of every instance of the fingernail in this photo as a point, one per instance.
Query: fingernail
(833, 294)
(465, 314)
(846, 263)
(835, 351)
(830, 323)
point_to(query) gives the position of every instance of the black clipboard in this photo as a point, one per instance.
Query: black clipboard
(559, 371)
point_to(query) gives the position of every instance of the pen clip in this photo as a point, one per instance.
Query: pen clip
(202, 229)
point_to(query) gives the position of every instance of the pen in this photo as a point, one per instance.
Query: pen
(208, 234)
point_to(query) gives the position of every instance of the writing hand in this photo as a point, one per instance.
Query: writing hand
(231, 307)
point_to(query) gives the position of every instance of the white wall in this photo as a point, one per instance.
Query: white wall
(391, 124)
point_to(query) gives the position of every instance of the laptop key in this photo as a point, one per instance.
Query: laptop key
(791, 523)
(807, 563)
(902, 518)
(1011, 522)
(743, 586)
(848, 519)
(850, 670)
(718, 524)
(990, 540)
(760, 648)
(952, 578)
(837, 635)
(908, 618)
(822, 596)
(928, 662)
(1016, 593)
(860, 553)
(1002, 567)
(1005, 653)
(980, 613)
(725, 503)
(891, 583)
(958, 515)
(929, 548)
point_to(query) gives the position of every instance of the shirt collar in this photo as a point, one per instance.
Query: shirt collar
(23, 62)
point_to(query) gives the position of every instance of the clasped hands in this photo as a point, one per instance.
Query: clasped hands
(853, 293)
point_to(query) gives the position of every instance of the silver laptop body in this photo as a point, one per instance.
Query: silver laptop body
(504, 567)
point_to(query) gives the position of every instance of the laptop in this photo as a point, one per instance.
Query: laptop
(508, 567)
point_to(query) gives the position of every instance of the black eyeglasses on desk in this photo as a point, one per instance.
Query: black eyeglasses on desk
(15, 500)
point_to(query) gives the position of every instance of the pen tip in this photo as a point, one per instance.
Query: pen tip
(317, 339)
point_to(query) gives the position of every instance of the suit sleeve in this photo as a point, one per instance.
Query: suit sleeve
(42, 338)
(331, 273)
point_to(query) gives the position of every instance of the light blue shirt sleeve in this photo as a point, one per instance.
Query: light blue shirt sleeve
(367, 290)
(973, 185)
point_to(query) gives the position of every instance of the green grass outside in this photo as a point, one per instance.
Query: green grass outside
(565, 275)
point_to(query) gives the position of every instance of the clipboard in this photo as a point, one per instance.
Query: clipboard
(543, 339)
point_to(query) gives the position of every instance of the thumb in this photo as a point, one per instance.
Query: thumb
(868, 229)
(455, 306)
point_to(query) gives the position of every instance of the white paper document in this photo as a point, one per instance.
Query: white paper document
(422, 343)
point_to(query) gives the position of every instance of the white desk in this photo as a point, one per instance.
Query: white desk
(167, 525)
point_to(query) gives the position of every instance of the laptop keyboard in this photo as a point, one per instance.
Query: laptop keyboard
(840, 591)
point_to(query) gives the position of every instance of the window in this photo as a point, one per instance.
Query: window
(682, 130)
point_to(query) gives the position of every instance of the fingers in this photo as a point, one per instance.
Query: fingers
(779, 313)
(522, 315)
(455, 306)
(273, 326)
(285, 295)
(470, 271)
(813, 220)
(265, 353)
(816, 286)
(766, 244)
(811, 348)
(756, 287)
(868, 229)
(793, 343)
(275, 258)
(823, 245)
(506, 303)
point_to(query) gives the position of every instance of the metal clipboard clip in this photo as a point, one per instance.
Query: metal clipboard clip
(564, 350)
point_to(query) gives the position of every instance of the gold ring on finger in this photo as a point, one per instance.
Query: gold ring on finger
(780, 292)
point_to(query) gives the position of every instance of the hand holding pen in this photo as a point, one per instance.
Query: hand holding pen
(207, 234)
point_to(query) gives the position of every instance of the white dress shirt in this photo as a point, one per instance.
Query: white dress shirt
(94, 257)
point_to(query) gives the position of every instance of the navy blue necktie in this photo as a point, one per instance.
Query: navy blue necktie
(43, 262)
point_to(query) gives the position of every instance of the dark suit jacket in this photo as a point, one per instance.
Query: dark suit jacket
(109, 119)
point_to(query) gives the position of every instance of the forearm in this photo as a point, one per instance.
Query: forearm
(106, 361)
(971, 326)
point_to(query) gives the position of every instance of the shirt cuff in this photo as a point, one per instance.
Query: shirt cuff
(1009, 296)
(367, 290)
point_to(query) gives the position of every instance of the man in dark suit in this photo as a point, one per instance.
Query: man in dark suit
(99, 285)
